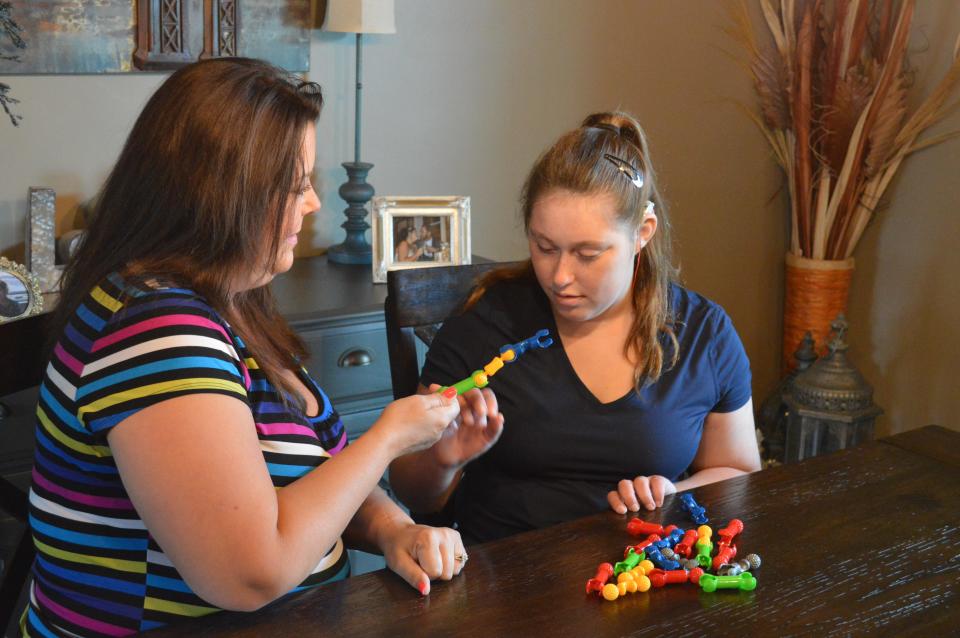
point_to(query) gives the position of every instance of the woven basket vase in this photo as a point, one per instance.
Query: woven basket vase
(816, 292)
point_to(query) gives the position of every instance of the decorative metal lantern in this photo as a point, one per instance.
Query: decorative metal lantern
(830, 405)
(772, 416)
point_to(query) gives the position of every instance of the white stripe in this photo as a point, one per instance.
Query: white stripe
(154, 345)
(331, 558)
(158, 558)
(285, 447)
(58, 380)
(64, 632)
(74, 515)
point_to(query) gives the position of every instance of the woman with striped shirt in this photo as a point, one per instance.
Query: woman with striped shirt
(185, 460)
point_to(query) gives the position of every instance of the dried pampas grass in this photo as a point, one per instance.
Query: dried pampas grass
(832, 98)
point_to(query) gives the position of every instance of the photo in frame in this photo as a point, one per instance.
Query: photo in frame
(20, 294)
(419, 232)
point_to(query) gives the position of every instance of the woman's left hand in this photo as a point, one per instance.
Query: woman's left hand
(648, 490)
(419, 554)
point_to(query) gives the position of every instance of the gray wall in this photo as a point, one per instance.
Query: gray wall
(466, 95)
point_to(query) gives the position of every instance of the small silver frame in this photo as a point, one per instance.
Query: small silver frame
(20, 294)
(446, 218)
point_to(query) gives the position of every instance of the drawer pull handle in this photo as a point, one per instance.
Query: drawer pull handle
(355, 358)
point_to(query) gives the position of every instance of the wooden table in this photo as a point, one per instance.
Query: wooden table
(864, 541)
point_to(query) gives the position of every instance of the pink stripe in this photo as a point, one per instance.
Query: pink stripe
(247, 383)
(77, 497)
(342, 443)
(77, 619)
(153, 324)
(75, 366)
(272, 429)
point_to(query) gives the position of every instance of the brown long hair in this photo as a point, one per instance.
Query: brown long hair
(576, 163)
(199, 194)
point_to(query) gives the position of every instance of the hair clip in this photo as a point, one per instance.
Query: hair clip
(626, 168)
(634, 175)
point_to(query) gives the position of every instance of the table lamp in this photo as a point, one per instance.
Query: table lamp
(357, 16)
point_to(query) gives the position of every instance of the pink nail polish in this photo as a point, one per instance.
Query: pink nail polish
(424, 588)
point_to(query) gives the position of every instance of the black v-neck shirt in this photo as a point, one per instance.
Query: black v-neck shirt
(562, 449)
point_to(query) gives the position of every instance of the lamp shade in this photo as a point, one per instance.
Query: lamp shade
(360, 16)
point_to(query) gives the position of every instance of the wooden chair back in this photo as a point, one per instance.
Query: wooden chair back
(418, 301)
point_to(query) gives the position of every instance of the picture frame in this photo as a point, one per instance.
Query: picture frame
(20, 294)
(419, 232)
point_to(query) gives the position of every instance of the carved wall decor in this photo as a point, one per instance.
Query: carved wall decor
(162, 31)
(221, 28)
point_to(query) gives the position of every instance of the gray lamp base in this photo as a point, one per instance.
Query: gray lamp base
(356, 192)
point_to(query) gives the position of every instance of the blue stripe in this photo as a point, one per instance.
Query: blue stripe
(327, 405)
(90, 318)
(51, 447)
(36, 625)
(171, 584)
(260, 385)
(117, 281)
(271, 407)
(100, 424)
(157, 367)
(182, 291)
(332, 436)
(78, 339)
(117, 609)
(146, 625)
(50, 466)
(100, 582)
(63, 416)
(88, 540)
(340, 575)
(175, 303)
(288, 470)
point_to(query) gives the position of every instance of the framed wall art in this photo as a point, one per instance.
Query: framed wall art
(118, 36)
(419, 232)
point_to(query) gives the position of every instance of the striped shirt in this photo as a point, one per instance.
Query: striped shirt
(98, 571)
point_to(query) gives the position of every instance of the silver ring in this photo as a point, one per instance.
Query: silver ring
(460, 558)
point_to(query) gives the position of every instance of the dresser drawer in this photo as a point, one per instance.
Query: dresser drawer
(349, 361)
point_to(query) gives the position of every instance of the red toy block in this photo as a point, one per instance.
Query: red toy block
(659, 577)
(724, 556)
(637, 527)
(685, 546)
(604, 572)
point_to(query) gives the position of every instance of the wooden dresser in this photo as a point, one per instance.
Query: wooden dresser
(339, 313)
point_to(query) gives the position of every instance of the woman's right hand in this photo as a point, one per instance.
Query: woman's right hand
(478, 428)
(416, 422)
